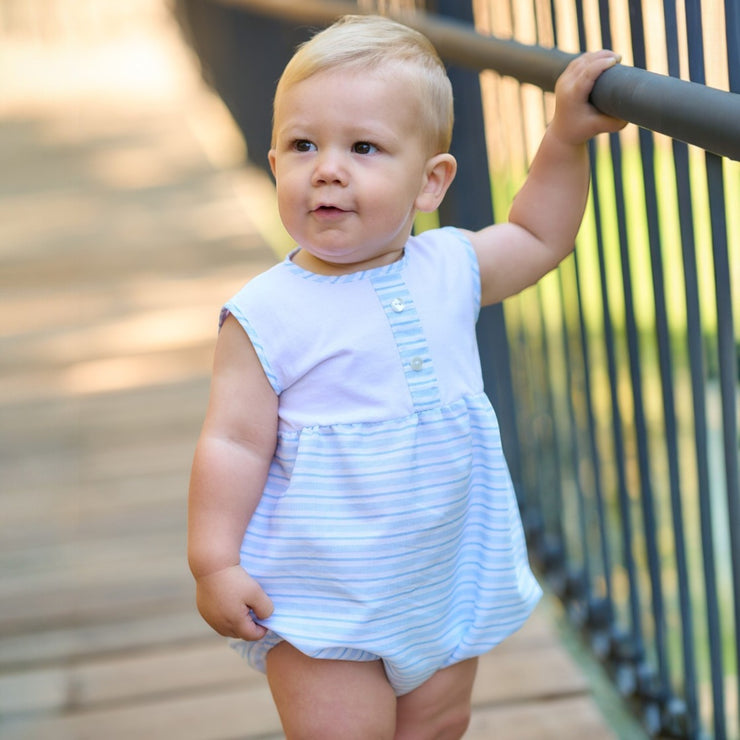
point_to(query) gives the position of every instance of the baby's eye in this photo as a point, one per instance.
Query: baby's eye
(303, 145)
(364, 147)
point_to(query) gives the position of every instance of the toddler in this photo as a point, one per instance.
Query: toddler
(352, 524)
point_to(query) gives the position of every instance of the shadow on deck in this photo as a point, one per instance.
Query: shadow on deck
(127, 218)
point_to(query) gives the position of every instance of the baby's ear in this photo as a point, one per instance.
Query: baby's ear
(439, 173)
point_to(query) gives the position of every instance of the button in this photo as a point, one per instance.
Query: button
(397, 305)
(416, 364)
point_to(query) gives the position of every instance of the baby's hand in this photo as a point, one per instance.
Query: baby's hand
(225, 598)
(576, 120)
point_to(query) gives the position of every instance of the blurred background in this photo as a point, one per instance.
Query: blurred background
(131, 208)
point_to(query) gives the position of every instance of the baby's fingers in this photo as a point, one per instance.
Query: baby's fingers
(248, 629)
(575, 84)
(257, 604)
(261, 603)
(596, 62)
(576, 120)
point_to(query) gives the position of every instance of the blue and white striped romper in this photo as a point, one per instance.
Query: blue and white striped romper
(388, 527)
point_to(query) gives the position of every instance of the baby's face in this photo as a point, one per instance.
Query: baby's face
(349, 159)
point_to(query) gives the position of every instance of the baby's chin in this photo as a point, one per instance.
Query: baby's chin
(343, 261)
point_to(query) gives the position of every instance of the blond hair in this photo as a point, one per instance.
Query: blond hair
(362, 42)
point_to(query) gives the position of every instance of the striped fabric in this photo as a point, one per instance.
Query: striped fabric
(397, 538)
(403, 318)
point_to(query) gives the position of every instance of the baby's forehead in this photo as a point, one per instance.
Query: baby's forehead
(387, 82)
(398, 77)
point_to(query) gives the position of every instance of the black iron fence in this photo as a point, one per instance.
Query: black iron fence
(616, 378)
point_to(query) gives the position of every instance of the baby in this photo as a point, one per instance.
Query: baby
(352, 523)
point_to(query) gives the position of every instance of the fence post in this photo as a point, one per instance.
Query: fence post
(469, 204)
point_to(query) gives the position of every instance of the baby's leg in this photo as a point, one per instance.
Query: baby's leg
(330, 699)
(440, 707)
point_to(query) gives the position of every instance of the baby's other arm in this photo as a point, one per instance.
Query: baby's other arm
(230, 467)
(546, 213)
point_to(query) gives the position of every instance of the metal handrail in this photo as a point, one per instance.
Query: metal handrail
(687, 111)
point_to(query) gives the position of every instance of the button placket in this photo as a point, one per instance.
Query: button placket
(408, 333)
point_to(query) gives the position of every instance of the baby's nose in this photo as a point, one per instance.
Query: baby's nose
(329, 169)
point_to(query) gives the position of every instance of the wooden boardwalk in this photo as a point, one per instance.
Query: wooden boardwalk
(124, 223)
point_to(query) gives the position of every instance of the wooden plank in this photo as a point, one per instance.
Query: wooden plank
(134, 631)
(571, 718)
(206, 666)
(543, 673)
(231, 713)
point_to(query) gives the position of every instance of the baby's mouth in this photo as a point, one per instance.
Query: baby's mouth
(328, 211)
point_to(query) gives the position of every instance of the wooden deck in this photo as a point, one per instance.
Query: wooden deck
(124, 223)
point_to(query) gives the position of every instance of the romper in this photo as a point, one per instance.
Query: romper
(388, 528)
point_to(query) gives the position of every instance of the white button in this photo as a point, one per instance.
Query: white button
(397, 305)
(416, 364)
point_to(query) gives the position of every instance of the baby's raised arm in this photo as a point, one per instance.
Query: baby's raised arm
(230, 467)
(546, 213)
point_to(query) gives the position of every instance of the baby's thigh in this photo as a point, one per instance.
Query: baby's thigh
(440, 707)
(330, 699)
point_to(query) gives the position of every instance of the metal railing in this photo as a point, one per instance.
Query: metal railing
(663, 104)
(615, 379)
